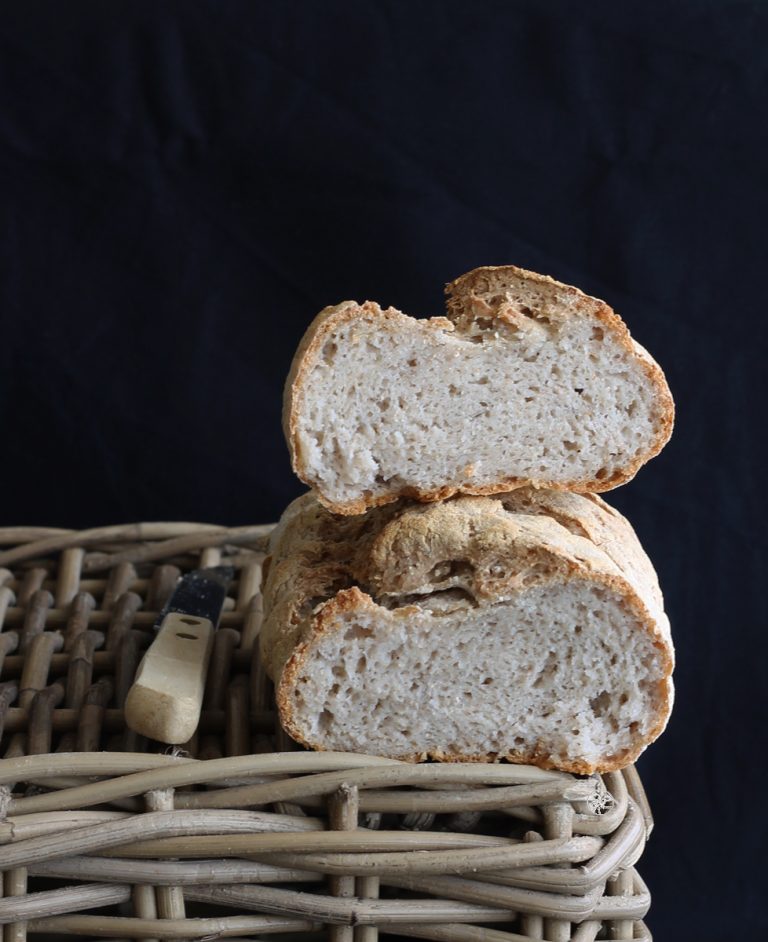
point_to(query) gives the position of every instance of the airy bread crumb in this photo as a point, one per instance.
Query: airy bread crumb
(527, 381)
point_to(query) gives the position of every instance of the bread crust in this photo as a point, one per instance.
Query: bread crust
(464, 304)
(312, 548)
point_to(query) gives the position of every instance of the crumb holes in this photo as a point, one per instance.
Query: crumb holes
(601, 474)
(356, 632)
(329, 351)
(190, 621)
(519, 740)
(570, 446)
(600, 703)
(632, 409)
(488, 681)
(598, 333)
(338, 671)
(634, 726)
(623, 699)
(533, 574)
(449, 569)
(335, 689)
(454, 390)
(532, 315)
(303, 680)
(577, 630)
(413, 362)
(578, 389)
(186, 636)
(414, 686)
(324, 720)
(384, 404)
(529, 398)
(546, 671)
(361, 664)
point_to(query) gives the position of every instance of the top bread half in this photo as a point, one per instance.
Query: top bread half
(526, 382)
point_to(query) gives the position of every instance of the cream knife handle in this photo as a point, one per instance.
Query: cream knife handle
(166, 698)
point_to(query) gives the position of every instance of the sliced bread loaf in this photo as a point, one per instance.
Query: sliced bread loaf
(526, 381)
(527, 626)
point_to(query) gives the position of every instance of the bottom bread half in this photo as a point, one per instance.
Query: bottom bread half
(469, 631)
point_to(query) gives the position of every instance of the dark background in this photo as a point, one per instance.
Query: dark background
(184, 185)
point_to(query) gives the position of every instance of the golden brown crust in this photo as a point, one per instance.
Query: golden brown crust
(573, 535)
(464, 303)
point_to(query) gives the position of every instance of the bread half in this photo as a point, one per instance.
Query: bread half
(527, 626)
(526, 381)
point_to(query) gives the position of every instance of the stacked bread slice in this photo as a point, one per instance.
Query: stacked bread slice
(452, 588)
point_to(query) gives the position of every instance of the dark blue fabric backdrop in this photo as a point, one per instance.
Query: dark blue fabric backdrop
(184, 185)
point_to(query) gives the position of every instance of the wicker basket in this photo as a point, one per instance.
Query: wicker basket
(241, 834)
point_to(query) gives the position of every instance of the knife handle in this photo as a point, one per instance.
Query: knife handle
(166, 698)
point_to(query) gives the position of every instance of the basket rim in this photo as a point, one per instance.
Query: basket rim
(148, 540)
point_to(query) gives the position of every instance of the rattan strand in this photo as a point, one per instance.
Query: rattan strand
(104, 834)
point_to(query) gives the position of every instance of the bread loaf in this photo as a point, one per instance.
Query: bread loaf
(527, 626)
(526, 381)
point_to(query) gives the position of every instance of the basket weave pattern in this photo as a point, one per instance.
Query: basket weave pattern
(241, 834)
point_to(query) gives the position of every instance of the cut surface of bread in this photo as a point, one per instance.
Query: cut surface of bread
(527, 626)
(526, 381)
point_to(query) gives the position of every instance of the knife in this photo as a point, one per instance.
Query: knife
(166, 698)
